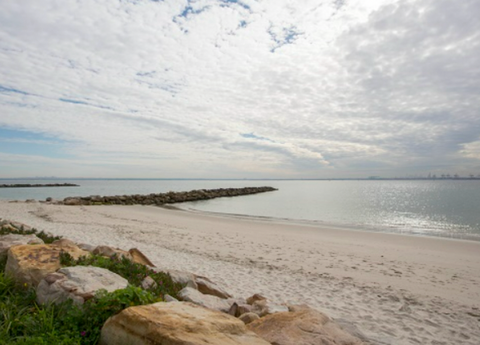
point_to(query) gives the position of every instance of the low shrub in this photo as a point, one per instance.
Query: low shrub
(87, 320)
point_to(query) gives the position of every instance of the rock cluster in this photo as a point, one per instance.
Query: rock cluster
(12, 225)
(164, 198)
(206, 314)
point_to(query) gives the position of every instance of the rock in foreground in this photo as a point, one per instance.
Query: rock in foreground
(29, 264)
(302, 326)
(176, 323)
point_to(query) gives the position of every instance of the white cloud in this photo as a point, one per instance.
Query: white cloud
(333, 85)
(472, 150)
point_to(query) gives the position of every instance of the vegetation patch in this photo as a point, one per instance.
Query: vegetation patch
(131, 271)
(23, 321)
(43, 235)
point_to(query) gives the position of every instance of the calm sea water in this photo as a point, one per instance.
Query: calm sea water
(433, 208)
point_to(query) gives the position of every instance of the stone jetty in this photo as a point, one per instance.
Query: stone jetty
(26, 185)
(164, 198)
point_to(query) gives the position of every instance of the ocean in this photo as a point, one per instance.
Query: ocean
(445, 208)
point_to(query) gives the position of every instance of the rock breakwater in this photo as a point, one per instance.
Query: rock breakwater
(26, 185)
(164, 198)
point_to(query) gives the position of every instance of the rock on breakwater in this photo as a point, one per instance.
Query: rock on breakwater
(165, 198)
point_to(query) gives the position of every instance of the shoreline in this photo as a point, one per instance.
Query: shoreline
(397, 289)
(323, 224)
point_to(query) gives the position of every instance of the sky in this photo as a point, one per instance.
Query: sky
(239, 88)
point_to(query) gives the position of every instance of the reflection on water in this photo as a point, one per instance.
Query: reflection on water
(437, 208)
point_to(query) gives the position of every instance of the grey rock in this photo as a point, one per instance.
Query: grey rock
(10, 240)
(78, 283)
(72, 201)
(208, 301)
(87, 247)
(181, 277)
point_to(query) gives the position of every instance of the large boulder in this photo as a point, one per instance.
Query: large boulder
(208, 301)
(175, 323)
(10, 240)
(207, 287)
(79, 283)
(301, 326)
(29, 264)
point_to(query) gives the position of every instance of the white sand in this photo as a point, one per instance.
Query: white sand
(396, 289)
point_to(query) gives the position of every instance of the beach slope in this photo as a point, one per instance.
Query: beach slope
(396, 289)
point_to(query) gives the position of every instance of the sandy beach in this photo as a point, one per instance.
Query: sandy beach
(396, 289)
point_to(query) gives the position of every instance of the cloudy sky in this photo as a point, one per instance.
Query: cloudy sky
(239, 88)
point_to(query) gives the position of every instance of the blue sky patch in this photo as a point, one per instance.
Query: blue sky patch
(288, 36)
(253, 136)
(12, 90)
(188, 10)
(239, 3)
(66, 100)
(13, 141)
(74, 101)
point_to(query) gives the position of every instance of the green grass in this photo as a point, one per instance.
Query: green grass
(23, 321)
(44, 236)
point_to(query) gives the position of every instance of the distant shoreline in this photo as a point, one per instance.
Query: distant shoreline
(373, 178)
(23, 185)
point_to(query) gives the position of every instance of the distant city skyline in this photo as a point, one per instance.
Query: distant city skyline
(239, 88)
